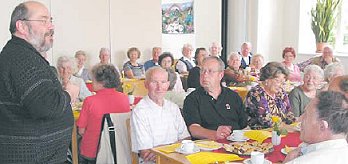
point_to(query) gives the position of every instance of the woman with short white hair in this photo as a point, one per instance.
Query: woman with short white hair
(330, 72)
(66, 67)
(300, 96)
(234, 74)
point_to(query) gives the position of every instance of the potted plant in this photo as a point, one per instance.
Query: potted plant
(323, 21)
(129, 89)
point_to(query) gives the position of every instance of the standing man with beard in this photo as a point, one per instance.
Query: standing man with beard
(35, 113)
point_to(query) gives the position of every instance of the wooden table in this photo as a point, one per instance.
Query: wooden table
(138, 84)
(176, 158)
(171, 158)
(74, 145)
(242, 91)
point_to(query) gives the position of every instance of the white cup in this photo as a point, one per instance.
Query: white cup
(187, 146)
(257, 157)
(238, 134)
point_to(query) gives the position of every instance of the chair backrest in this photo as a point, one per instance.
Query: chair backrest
(122, 138)
(134, 156)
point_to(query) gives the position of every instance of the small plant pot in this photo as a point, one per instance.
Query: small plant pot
(320, 47)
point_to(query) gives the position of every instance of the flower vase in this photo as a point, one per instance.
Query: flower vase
(276, 139)
(131, 99)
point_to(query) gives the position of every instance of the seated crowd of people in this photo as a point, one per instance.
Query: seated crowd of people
(36, 99)
(211, 110)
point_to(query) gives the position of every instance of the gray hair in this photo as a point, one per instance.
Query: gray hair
(246, 43)
(215, 43)
(80, 52)
(21, 12)
(150, 71)
(107, 75)
(64, 59)
(221, 63)
(314, 68)
(331, 69)
(104, 50)
(187, 45)
(257, 55)
(332, 107)
(234, 54)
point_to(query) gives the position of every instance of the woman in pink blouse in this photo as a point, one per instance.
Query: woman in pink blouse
(106, 100)
(289, 56)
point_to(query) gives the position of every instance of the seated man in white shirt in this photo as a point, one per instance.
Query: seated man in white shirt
(65, 67)
(186, 62)
(245, 53)
(324, 127)
(156, 121)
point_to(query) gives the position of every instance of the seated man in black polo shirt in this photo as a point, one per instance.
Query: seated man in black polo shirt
(212, 111)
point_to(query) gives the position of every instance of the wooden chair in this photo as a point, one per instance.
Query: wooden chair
(134, 156)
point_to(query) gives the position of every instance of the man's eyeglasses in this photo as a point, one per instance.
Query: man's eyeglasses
(43, 21)
(209, 71)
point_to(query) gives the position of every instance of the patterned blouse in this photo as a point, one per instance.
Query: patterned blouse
(138, 71)
(260, 107)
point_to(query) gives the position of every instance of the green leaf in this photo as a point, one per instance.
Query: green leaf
(324, 16)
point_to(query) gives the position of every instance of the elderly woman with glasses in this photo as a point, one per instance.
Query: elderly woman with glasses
(300, 96)
(269, 98)
(234, 74)
(107, 100)
(330, 72)
(166, 61)
(289, 56)
(257, 62)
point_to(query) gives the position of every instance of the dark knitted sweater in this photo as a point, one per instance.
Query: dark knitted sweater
(35, 113)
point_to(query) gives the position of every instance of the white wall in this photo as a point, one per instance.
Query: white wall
(82, 29)
(5, 16)
(237, 23)
(88, 26)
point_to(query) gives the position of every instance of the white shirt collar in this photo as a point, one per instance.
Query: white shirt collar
(324, 145)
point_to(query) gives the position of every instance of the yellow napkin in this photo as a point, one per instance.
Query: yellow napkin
(169, 148)
(210, 157)
(295, 124)
(239, 88)
(258, 135)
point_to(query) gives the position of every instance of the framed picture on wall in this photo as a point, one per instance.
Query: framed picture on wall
(177, 18)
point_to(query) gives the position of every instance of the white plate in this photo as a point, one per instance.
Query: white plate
(248, 161)
(231, 138)
(195, 150)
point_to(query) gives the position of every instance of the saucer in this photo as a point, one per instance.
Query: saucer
(195, 150)
(248, 161)
(231, 138)
(284, 151)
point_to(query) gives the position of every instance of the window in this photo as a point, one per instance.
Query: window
(342, 29)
